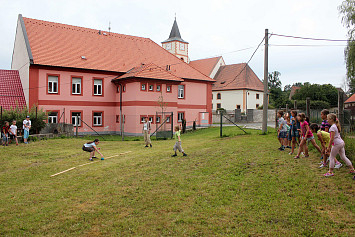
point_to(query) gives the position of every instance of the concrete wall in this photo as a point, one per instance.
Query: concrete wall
(20, 60)
(254, 116)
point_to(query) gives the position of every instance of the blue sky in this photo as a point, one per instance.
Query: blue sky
(212, 27)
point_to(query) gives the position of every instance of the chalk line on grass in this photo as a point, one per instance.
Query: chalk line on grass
(92, 162)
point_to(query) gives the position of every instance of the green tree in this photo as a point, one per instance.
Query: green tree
(274, 80)
(316, 92)
(347, 9)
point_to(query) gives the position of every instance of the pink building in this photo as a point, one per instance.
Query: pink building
(71, 71)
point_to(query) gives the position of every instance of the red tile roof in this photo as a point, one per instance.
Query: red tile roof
(11, 93)
(62, 45)
(235, 77)
(351, 99)
(150, 71)
(205, 65)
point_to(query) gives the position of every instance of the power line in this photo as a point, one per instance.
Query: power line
(247, 62)
(307, 45)
(308, 38)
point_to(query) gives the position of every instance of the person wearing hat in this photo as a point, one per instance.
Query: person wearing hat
(26, 128)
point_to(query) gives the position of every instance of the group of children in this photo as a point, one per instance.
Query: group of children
(9, 133)
(295, 129)
(91, 146)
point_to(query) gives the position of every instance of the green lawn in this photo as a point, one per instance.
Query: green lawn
(238, 185)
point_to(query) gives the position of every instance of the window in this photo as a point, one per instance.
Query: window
(168, 46)
(151, 118)
(181, 91)
(218, 106)
(97, 119)
(167, 119)
(143, 118)
(143, 87)
(76, 119)
(158, 88)
(182, 46)
(257, 96)
(53, 84)
(53, 117)
(151, 88)
(76, 86)
(168, 88)
(118, 119)
(97, 87)
(257, 105)
(181, 116)
(218, 96)
(238, 106)
(157, 119)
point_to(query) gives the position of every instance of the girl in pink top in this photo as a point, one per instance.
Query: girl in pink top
(336, 146)
(306, 136)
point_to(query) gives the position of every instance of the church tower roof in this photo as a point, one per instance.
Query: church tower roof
(175, 34)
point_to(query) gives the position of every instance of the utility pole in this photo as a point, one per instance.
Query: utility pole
(266, 72)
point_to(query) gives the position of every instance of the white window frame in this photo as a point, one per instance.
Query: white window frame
(157, 119)
(151, 87)
(97, 119)
(181, 116)
(181, 91)
(53, 84)
(76, 123)
(168, 88)
(168, 119)
(143, 119)
(76, 86)
(168, 46)
(151, 119)
(182, 46)
(143, 87)
(53, 118)
(158, 88)
(98, 86)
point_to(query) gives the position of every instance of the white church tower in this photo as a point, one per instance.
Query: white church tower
(176, 45)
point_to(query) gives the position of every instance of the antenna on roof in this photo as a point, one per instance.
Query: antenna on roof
(109, 27)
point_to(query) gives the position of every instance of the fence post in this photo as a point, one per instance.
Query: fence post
(77, 126)
(308, 107)
(172, 124)
(286, 108)
(340, 108)
(221, 124)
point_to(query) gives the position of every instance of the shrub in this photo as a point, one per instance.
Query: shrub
(19, 115)
(350, 147)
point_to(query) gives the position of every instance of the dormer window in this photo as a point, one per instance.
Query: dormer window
(168, 46)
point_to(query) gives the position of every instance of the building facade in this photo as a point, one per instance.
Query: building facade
(91, 77)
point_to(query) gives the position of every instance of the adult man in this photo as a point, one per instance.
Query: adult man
(26, 128)
(146, 132)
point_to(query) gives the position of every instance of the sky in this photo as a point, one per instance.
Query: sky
(229, 28)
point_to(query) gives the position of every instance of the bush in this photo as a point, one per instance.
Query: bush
(350, 148)
(20, 114)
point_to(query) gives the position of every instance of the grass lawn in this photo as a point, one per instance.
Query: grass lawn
(237, 185)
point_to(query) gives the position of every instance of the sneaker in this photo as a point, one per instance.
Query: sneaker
(352, 171)
(174, 155)
(337, 166)
(281, 149)
(150, 145)
(322, 165)
(146, 146)
(321, 157)
(296, 157)
(289, 147)
(94, 157)
(328, 174)
(91, 159)
(290, 153)
(184, 154)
